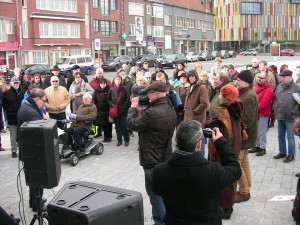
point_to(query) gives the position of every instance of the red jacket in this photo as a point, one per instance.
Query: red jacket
(264, 96)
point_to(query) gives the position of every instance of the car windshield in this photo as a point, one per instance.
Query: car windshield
(139, 57)
(63, 61)
(112, 58)
(170, 57)
(190, 53)
(25, 67)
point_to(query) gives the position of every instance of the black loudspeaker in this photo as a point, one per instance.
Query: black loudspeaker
(38, 143)
(85, 203)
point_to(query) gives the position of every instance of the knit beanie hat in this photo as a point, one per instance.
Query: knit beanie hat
(246, 76)
(229, 92)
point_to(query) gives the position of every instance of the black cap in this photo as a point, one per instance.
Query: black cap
(285, 73)
(158, 65)
(246, 76)
(55, 68)
(157, 86)
(75, 67)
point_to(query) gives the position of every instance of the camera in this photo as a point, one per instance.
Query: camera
(207, 132)
(140, 91)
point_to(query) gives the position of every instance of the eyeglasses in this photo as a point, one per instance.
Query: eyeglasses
(261, 78)
(55, 81)
(43, 99)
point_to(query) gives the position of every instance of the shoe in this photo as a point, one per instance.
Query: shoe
(279, 156)
(288, 159)
(227, 213)
(2, 149)
(132, 134)
(261, 152)
(241, 198)
(254, 150)
(104, 140)
(43, 201)
(14, 155)
(126, 144)
(108, 140)
(119, 144)
(98, 136)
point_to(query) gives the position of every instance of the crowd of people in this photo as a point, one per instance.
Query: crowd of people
(239, 107)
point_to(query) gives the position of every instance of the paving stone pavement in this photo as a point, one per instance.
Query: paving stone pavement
(119, 167)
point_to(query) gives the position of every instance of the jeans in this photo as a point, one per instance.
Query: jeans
(158, 207)
(262, 129)
(286, 128)
(13, 137)
(245, 180)
(34, 194)
(121, 128)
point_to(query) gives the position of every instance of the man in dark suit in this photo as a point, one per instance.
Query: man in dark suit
(188, 183)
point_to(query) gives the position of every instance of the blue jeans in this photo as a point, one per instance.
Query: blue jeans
(285, 127)
(158, 207)
(121, 128)
(262, 130)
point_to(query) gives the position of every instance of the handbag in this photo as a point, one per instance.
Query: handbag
(113, 109)
(296, 126)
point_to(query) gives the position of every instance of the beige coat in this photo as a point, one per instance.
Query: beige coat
(55, 97)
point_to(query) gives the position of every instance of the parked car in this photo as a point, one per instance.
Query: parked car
(204, 56)
(170, 60)
(232, 54)
(215, 54)
(288, 52)
(32, 69)
(86, 64)
(116, 62)
(140, 59)
(224, 54)
(159, 58)
(249, 52)
(192, 56)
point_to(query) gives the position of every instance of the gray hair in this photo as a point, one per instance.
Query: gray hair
(160, 74)
(188, 134)
(87, 95)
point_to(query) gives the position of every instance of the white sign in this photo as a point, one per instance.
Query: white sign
(97, 44)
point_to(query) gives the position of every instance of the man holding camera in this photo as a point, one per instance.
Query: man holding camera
(155, 127)
(188, 183)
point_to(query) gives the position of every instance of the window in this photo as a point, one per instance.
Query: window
(104, 7)
(96, 25)
(149, 30)
(148, 9)
(250, 8)
(57, 5)
(186, 24)
(158, 31)
(114, 28)
(81, 60)
(59, 30)
(179, 21)
(131, 30)
(25, 29)
(88, 52)
(113, 5)
(95, 3)
(8, 26)
(39, 57)
(44, 29)
(295, 1)
(75, 52)
(105, 28)
(5, 0)
(192, 23)
(167, 20)
(157, 12)
(136, 9)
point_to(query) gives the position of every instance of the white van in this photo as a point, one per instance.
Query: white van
(85, 62)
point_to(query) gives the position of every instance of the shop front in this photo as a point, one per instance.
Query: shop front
(8, 56)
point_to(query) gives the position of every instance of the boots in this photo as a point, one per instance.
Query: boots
(261, 152)
(256, 149)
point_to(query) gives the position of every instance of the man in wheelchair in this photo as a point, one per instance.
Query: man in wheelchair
(84, 117)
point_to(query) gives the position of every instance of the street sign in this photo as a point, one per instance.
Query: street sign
(97, 44)
(124, 35)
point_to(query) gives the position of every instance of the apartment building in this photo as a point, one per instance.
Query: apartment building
(256, 24)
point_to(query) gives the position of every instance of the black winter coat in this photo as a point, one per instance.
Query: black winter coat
(100, 100)
(156, 127)
(124, 103)
(190, 185)
(11, 103)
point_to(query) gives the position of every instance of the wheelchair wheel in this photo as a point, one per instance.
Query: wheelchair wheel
(73, 159)
(98, 149)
